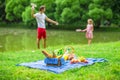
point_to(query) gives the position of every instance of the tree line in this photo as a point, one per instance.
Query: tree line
(64, 11)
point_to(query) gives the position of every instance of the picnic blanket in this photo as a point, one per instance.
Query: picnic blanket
(59, 69)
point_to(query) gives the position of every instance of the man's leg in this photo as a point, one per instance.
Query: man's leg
(44, 43)
(38, 43)
(39, 35)
(44, 38)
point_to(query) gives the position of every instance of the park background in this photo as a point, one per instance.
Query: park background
(18, 38)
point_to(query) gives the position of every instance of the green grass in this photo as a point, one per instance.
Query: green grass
(99, 71)
(18, 45)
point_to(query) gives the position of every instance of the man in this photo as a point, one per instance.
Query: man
(41, 30)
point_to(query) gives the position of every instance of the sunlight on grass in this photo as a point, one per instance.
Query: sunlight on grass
(97, 71)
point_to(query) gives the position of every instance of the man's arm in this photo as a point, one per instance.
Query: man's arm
(51, 21)
(32, 13)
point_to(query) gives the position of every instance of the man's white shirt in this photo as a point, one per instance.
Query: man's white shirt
(40, 19)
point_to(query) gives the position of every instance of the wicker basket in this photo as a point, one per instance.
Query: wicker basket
(69, 48)
(54, 61)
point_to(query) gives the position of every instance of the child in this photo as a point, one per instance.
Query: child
(89, 31)
(41, 30)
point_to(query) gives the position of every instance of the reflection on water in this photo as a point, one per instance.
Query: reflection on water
(22, 39)
(17, 41)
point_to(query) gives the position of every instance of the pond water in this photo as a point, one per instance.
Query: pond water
(25, 39)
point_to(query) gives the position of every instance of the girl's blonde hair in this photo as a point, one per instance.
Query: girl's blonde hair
(90, 20)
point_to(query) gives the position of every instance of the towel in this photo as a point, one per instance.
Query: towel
(40, 64)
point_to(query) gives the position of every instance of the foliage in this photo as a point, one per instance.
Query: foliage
(26, 15)
(2, 11)
(27, 18)
(71, 11)
(14, 9)
(116, 10)
(100, 10)
(67, 12)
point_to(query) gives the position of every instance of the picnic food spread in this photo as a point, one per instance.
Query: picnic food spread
(62, 55)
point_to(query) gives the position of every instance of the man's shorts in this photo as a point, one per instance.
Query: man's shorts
(41, 33)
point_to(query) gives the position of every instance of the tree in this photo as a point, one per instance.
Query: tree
(100, 10)
(14, 9)
(64, 11)
(72, 11)
(50, 9)
(2, 10)
(116, 10)
(67, 11)
(27, 18)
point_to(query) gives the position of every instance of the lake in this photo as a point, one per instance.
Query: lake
(25, 39)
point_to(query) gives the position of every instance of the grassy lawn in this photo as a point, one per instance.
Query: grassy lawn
(17, 45)
(99, 71)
